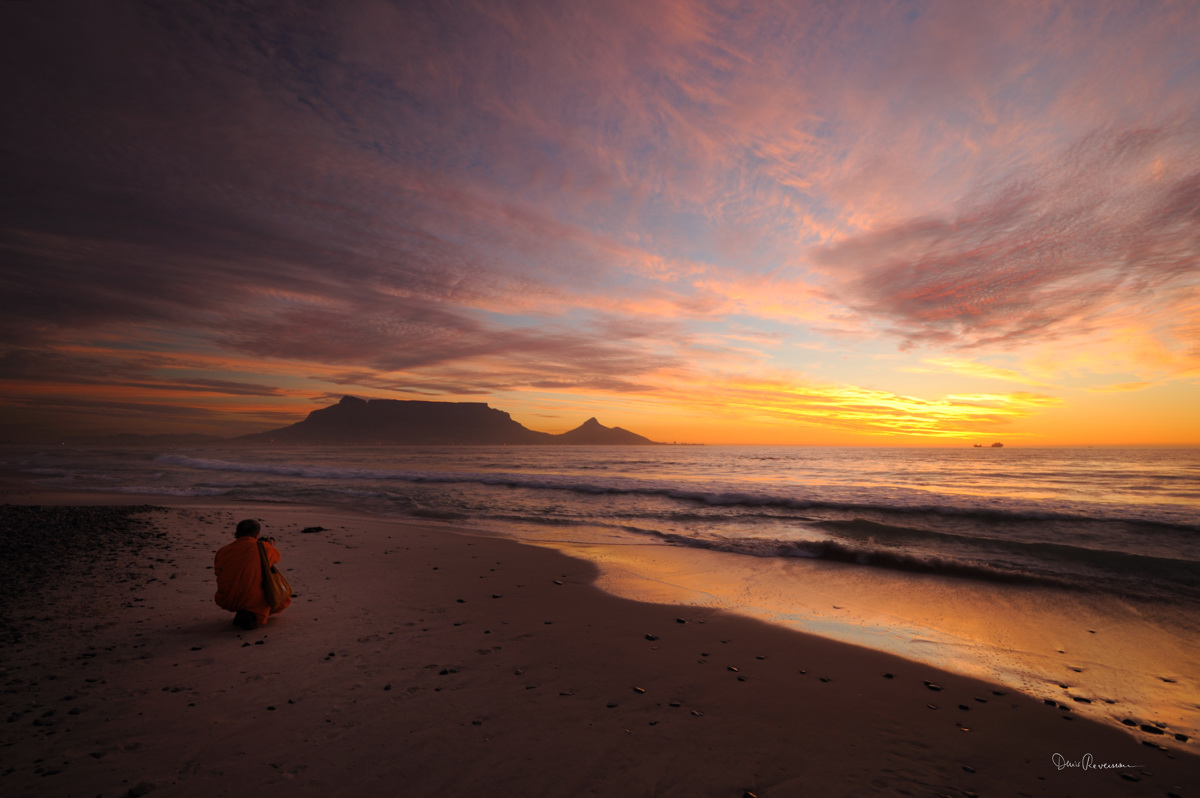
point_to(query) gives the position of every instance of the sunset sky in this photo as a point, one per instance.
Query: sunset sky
(909, 223)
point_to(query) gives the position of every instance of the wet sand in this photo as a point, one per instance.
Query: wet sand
(1108, 657)
(420, 660)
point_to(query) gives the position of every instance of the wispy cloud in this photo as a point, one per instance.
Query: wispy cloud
(972, 368)
(1109, 236)
(1123, 387)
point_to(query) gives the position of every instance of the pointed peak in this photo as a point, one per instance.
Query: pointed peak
(591, 423)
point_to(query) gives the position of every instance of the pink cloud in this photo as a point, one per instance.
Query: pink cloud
(1103, 233)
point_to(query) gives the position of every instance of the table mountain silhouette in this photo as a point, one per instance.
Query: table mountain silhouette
(400, 422)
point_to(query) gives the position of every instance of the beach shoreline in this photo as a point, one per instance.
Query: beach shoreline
(463, 664)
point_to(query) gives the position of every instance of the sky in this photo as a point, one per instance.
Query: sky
(830, 223)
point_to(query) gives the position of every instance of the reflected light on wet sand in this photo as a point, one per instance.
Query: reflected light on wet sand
(1122, 659)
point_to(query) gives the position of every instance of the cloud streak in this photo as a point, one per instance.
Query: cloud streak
(1109, 235)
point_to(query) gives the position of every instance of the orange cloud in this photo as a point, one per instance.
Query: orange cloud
(970, 368)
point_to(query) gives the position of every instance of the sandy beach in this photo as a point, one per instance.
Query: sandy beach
(422, 659)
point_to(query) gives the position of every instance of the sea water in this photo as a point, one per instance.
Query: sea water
(1069, 574)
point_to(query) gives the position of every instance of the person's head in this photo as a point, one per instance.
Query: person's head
(247, 529)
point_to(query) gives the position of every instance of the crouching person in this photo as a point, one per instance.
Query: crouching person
(239, 571)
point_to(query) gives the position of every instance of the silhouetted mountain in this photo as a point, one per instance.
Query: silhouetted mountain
(592, 432)
(391, 421)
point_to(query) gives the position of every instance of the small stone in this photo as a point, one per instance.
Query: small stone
(639, 689)
(889, 676)
(651, 637)
(934, 687)
(140, 790)
(1129, 722)
(680, 620)
(1150, 729)
(1183, 738)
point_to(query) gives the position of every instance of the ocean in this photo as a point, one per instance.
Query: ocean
(1069, 574)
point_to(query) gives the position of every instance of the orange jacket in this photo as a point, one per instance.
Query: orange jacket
(239, 577)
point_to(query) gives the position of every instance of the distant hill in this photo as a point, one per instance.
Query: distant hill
(392, 421)
(593, 433)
